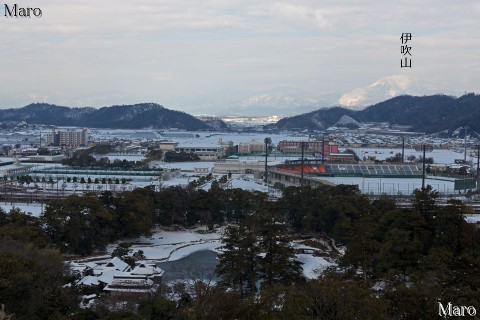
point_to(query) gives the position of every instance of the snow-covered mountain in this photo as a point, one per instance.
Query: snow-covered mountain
(347, 121)
(284, 101)
(289, 101)
(383, 89)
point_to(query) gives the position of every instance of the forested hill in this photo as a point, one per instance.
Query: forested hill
(428, 114)
(124, 116)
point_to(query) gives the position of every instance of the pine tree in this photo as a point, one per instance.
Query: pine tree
(238, 261)
(258, 251)
(362, 246)
(78, 224)
(278, 264)
(425, 202)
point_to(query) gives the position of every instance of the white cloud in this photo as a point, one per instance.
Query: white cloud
(93, 52)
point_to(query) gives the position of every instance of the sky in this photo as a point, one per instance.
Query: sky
(185, 54)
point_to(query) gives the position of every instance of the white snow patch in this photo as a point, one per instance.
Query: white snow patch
(34, 209)
(174, 245)
(313, 266)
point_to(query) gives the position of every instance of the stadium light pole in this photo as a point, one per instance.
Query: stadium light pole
(423, 147)
(423, 170)
(267, 142)
(302, 145)
(323, 149)
(478, 159)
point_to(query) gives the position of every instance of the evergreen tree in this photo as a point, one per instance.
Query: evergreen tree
(17, 225)
(239, 259)
(362, 246)
(335, 298)
(450, 227)
(172, 205)
(78, 224)
(135, 213)
(278, 264)
(425, 202)
(258, 250)
(31, 282)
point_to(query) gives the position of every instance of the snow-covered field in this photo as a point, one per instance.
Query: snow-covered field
(442, 156)
(174, 245)
(34, 209)
(393, 186)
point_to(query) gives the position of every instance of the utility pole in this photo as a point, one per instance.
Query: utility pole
(465, 144)
(403, 149)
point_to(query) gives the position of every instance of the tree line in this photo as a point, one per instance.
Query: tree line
(398, 262)
(82, 224)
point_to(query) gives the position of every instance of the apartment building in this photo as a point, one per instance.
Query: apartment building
(67, 137)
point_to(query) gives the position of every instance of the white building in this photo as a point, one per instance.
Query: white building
(206, 153)
(67, 137)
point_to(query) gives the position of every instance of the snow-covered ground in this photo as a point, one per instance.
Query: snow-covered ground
(121, 157)
(472, 218)
(166, 245)
(393, 186)
(183, 166)
(34, 209)
(247, 182)
(441, 156)
(212, 139)
(313, 266)
(174, 245)
(206, 138)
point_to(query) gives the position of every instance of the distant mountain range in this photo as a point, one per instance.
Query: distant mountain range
(428, 114)
(281, 101)
(289, 101)
(125, 116)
